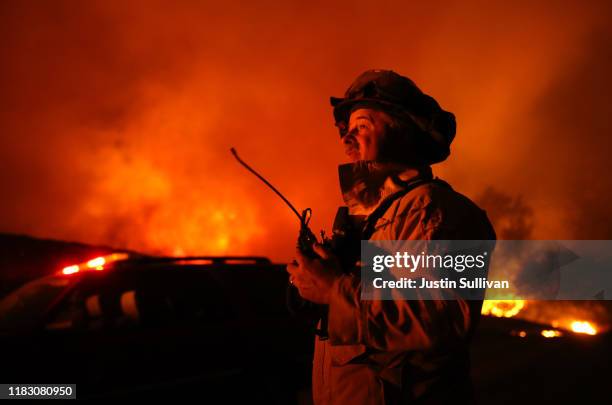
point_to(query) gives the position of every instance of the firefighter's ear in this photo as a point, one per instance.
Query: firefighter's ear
(321, 251)
(299, 257)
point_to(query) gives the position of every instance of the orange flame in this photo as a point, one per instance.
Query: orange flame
(161, 212)
(551, 333)
(583, 327)
(502, 308)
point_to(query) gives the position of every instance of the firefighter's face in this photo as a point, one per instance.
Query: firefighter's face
(366, 131)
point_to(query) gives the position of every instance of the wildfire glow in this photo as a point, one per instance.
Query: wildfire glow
(583, 327)
(551, 333)
(166, 212)
(502, 308)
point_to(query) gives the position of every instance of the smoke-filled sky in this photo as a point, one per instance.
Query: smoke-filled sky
(116, 117)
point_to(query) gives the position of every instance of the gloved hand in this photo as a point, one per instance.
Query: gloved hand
(314, 277)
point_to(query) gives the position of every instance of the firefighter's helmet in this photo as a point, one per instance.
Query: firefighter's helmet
(400, 97)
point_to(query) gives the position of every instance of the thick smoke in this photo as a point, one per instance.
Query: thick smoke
(511, 217)
(116, 117)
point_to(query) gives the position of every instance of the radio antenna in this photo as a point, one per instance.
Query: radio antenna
(303, 219)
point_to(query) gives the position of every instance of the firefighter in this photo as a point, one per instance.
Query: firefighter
(400, 351)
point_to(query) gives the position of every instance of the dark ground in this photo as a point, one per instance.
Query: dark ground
(509, 369)
(506, 368)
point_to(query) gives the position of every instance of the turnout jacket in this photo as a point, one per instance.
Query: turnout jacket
(392, 352)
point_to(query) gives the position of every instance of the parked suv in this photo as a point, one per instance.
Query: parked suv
(138, 327)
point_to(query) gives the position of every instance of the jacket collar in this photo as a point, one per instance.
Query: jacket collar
(365, 184)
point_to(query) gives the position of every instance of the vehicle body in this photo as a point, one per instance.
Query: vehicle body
(151, 327)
